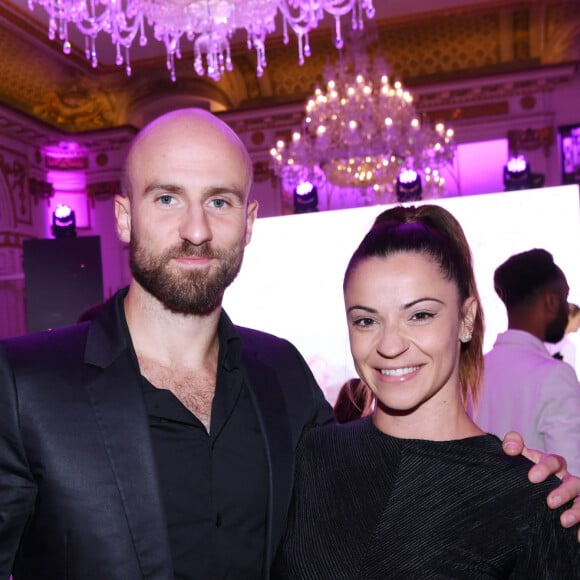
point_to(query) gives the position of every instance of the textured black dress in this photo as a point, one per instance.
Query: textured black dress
(368, 506)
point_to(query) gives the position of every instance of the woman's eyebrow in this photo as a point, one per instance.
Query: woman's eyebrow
(425, 299)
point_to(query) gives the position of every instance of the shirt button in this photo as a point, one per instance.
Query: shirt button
(218, 520)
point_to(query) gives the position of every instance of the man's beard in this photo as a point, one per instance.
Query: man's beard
(556, 329)
(194, 291)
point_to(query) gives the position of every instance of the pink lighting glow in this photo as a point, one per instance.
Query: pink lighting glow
(517, 164)
(69, 190)
(407, 176)
(304, 188)
(62, 211)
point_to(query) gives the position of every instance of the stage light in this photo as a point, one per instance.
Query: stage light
(517, 175)
(409, 187)
(305, 198)
(64, 222)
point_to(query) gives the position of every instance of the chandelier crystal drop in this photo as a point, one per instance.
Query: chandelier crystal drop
(360, 131)
(207, 25)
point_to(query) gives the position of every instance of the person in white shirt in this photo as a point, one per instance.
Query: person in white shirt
(525, 388)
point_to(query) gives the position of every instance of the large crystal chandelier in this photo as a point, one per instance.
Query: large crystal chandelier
(361, 131)
(207, 25)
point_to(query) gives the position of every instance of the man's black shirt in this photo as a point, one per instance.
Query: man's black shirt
(214, 486)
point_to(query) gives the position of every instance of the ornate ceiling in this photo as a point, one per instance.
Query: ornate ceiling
(434, 48)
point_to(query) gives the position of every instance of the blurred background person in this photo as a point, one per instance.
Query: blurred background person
(525, 388)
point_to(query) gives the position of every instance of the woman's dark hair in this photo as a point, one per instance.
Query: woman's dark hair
(432, 231)
(354, 400)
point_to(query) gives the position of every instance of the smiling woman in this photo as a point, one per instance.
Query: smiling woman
(406, 324)
(415, 265)
(418, 489)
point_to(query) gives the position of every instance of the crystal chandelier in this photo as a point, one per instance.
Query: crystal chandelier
(361, 131)
(207, 24)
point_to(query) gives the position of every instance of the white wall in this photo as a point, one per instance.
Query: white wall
(291, 280)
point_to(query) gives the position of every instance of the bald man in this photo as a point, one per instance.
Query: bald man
(157, 441)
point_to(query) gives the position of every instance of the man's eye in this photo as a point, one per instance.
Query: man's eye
(219, 203)
(165, 199)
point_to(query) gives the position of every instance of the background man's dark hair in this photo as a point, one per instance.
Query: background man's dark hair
(521, 276)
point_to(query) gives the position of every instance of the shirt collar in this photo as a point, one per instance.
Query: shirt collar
(230, 343)
(521, 337)
(230, 355)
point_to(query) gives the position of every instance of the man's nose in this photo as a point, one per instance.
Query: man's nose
(195, 226)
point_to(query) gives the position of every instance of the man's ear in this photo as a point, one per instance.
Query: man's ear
(123, 217)
(251, 215)
(551, 301)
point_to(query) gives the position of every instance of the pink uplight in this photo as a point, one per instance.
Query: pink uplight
(517, 164)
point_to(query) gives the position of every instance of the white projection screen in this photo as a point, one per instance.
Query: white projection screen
(291, 280)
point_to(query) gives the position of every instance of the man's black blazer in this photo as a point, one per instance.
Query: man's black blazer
(79, 497)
